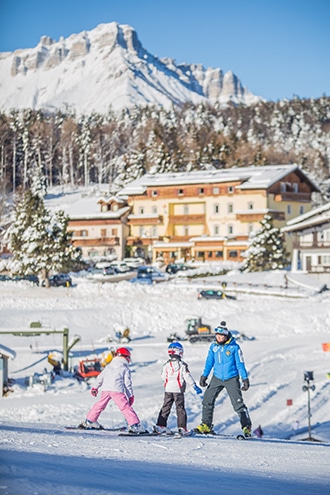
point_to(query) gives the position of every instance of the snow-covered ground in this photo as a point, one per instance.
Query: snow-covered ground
(38, 456)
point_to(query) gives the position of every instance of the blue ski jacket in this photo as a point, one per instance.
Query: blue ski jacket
(226, 360)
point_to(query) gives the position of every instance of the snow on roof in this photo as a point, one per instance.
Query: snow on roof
(252, 178)
(313, 217)
(6, 352)
(85, 203)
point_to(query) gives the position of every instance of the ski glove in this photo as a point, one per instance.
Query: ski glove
(246, 385)
(94, 392)
(131, 400)
(202, 381)
(197, 389)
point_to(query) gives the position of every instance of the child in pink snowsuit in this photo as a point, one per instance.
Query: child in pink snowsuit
(116, 383)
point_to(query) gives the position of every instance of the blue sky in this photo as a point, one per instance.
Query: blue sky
(277, 48)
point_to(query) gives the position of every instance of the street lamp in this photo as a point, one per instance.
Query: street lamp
(309, 377)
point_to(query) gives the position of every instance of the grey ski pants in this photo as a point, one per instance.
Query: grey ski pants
(164, 413)
(234, 391)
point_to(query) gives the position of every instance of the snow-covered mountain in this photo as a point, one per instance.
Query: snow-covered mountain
(107, 66)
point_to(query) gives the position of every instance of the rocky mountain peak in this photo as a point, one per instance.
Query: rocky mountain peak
(107, 67)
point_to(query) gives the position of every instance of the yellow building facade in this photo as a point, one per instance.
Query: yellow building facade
(209, 215)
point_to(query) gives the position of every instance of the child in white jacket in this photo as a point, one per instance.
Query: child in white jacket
(116, 382)
(175, 374)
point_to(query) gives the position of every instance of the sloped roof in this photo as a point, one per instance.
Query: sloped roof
(250, 178)
(317, 216)
(8, 353)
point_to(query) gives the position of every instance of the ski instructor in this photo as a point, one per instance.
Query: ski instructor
(226, 358)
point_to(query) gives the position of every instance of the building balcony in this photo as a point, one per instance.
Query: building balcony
(292, 196)
(313, 244)
(187, 219)
(142, 241)
(250, 216)
(96, 241)
(145, 220)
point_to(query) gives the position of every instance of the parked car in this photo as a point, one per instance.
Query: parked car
(176, 267)
(214, 294)
(31, 278)
(4, 278)
(120, 266)
(101, 272)
(148, 275)
(134, 262)
(59, 280)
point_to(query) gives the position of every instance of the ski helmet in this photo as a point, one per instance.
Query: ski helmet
(123, 351)
(175, 349)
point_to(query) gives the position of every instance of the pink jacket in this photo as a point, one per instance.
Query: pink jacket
(116, 377)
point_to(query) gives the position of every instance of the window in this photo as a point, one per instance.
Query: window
(186, 209)
(154, 193)
(216, 208)
(219, 254)
(105, 208)
(154, 231)
(201, 190)
(295, 187)
(301, 210)
(209, 254)
(141, 231)
(103, 232)
(233, 254)
(141, 210)
(326, 260)
(84, 233)
(215, 190)
(250, 205)
(185, 231)
(114, 232)
(114, 207)
(230, 229)
(216, 230)
(180, 192)
(200, 254)
(230, 189)
(250, 228)
(230, 208)
(288, 209)
(154, 209)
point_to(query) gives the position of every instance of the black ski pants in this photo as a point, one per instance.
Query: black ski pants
(235, 394)
(164, 413)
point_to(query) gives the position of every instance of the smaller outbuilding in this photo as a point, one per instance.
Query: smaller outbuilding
(5, 355)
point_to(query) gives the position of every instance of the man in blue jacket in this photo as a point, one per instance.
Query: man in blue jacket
(226, 358)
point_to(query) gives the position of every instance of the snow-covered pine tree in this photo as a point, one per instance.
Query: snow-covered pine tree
(40, 242)
(267, 249)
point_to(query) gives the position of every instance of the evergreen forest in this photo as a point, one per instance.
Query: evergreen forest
(114, 149)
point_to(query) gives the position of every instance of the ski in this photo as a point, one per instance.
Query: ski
(243, 437)
(132, 434)
(79, 428)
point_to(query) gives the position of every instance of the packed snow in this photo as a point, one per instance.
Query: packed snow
(285, 326)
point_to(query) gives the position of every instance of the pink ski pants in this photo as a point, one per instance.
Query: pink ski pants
(121, 402)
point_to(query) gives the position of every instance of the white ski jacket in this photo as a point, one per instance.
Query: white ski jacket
(176, 374)
(116, 377)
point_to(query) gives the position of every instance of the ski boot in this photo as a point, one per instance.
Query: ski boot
(90, 425)
(136, 429)
(247, 431)
(183, 432)
(162, 430)
(204, 429)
